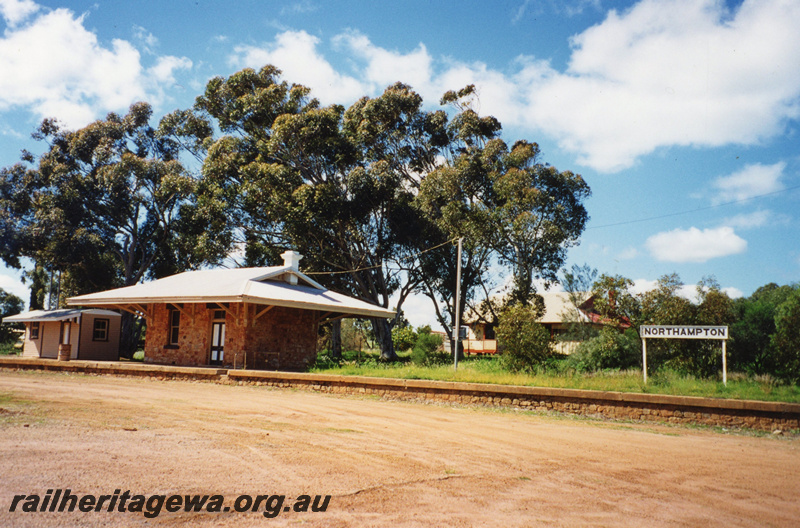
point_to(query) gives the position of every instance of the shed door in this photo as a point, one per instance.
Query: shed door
(217, 342)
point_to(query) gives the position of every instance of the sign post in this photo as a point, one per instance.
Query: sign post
(684, 332)
(644, 359)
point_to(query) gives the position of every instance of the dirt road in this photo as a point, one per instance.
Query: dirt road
(383, 463)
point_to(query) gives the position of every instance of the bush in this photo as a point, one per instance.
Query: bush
(403, 338)
(611, 349)
(786, 339)
(525, 343)
(428, 350)
(325, 361)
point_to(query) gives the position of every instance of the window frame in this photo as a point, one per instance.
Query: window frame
(104, 330)
(173, 327)
(34, 326)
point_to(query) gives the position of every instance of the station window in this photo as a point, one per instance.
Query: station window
(100, 331)
(174, 326)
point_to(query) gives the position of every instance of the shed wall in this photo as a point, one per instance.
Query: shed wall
(49, 336)
(88, 348)
(32, 347)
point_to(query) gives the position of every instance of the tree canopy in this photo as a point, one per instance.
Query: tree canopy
(363, 191)
(104, 206)
(372, 195)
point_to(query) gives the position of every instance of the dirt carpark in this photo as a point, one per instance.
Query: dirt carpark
(384, 463)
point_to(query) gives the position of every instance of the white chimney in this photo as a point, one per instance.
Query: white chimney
(291, 259)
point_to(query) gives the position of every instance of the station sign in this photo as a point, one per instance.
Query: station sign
(683, 332)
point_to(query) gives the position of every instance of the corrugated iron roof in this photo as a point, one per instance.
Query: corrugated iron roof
(266, 286)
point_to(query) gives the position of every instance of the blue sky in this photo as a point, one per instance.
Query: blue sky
(681, 115)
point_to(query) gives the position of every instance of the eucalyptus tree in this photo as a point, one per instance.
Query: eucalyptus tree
(105, 205)
(539, 215)
(457, 200)
(364, 191)
(336, 184)
(505, 204)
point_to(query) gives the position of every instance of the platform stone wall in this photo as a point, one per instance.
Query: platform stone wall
(771, 417)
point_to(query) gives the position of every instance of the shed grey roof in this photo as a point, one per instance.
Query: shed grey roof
(55, 315)
(275, 286)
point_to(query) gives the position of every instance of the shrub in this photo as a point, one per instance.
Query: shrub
(428, 350)
(786, 339)
(611, 349)
(325, 361)
(403, 338)
(525, 343)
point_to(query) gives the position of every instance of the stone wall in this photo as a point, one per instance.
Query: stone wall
(634, 407)
(759, 415)
(282, 338)
(194, 339)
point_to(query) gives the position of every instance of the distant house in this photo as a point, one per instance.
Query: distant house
(559, 314)
(264, 318)
(79, 334)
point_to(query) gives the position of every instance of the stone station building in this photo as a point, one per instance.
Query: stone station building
(261, 318)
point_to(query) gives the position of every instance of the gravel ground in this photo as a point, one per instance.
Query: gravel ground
(383, 463)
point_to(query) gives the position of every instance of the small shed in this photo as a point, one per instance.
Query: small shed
(89, 334)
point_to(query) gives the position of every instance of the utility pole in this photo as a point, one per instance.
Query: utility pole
(456, 337)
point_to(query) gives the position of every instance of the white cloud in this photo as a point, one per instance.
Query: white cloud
(569, 8)
(163, 71)
(753, 180)
(660, 74)
(694, 245)
(687, 291)
(418, 310)
(733, 293)
(300, 8)
(679, 72)
(384, 67)
(643, 286)
(16, 11)
(749, 220)
(148, 41)
(295, 54)
(628, 253)
(55, 67)
(760, 218)
(11, 283)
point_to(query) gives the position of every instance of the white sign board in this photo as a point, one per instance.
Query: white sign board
(683, 332)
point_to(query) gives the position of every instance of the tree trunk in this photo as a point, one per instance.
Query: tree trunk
(128, 336)
(336, 339)
(383, 337)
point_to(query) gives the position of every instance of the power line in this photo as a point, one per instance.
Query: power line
(379, 265)
(626, 222)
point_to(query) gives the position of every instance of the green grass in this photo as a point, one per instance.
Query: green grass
(489, 370)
